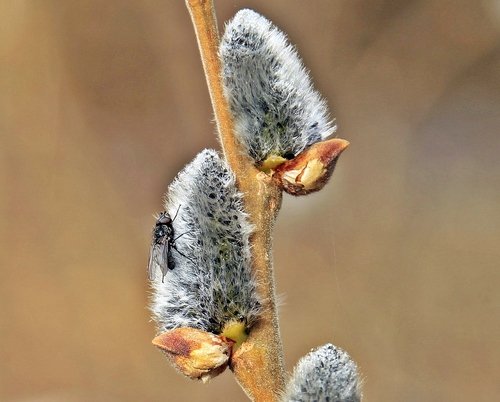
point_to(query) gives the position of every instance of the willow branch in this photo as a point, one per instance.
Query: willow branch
(258, 363)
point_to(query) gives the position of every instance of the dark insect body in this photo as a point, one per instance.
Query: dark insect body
(162, 245)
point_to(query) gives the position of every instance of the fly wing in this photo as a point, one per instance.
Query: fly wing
(165, 251)
(151, 263)
(157, 259)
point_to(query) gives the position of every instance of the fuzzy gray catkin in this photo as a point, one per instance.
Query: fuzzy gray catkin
(275, 107)
(214, 284)
(326, 374)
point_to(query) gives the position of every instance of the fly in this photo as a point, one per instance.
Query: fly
(162, 245)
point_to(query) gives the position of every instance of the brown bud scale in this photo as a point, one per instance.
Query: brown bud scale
(195, 353)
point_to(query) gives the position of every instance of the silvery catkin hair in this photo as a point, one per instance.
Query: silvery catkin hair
(275, 107)
(326, 374)
(214, 284)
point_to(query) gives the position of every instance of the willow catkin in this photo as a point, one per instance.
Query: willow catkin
(211, 283)
(275, 107)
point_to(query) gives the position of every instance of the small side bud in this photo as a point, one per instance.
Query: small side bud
(235, 331)
(325, 374)
(195, 353)
(311, 169)
(271, 163)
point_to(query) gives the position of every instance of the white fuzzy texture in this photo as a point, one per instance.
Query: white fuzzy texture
(326, 374)
(214, 285)
(276, 109)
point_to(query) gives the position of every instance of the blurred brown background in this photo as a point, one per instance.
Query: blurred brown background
(396, 260)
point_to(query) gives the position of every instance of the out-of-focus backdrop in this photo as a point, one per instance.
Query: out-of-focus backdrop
(397, 260)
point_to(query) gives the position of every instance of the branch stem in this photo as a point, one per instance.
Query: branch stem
(258, 363)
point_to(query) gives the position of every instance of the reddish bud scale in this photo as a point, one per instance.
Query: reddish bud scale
(311, 169)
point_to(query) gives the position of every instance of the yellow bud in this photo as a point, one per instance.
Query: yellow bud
(235, 331)
(271, 163)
